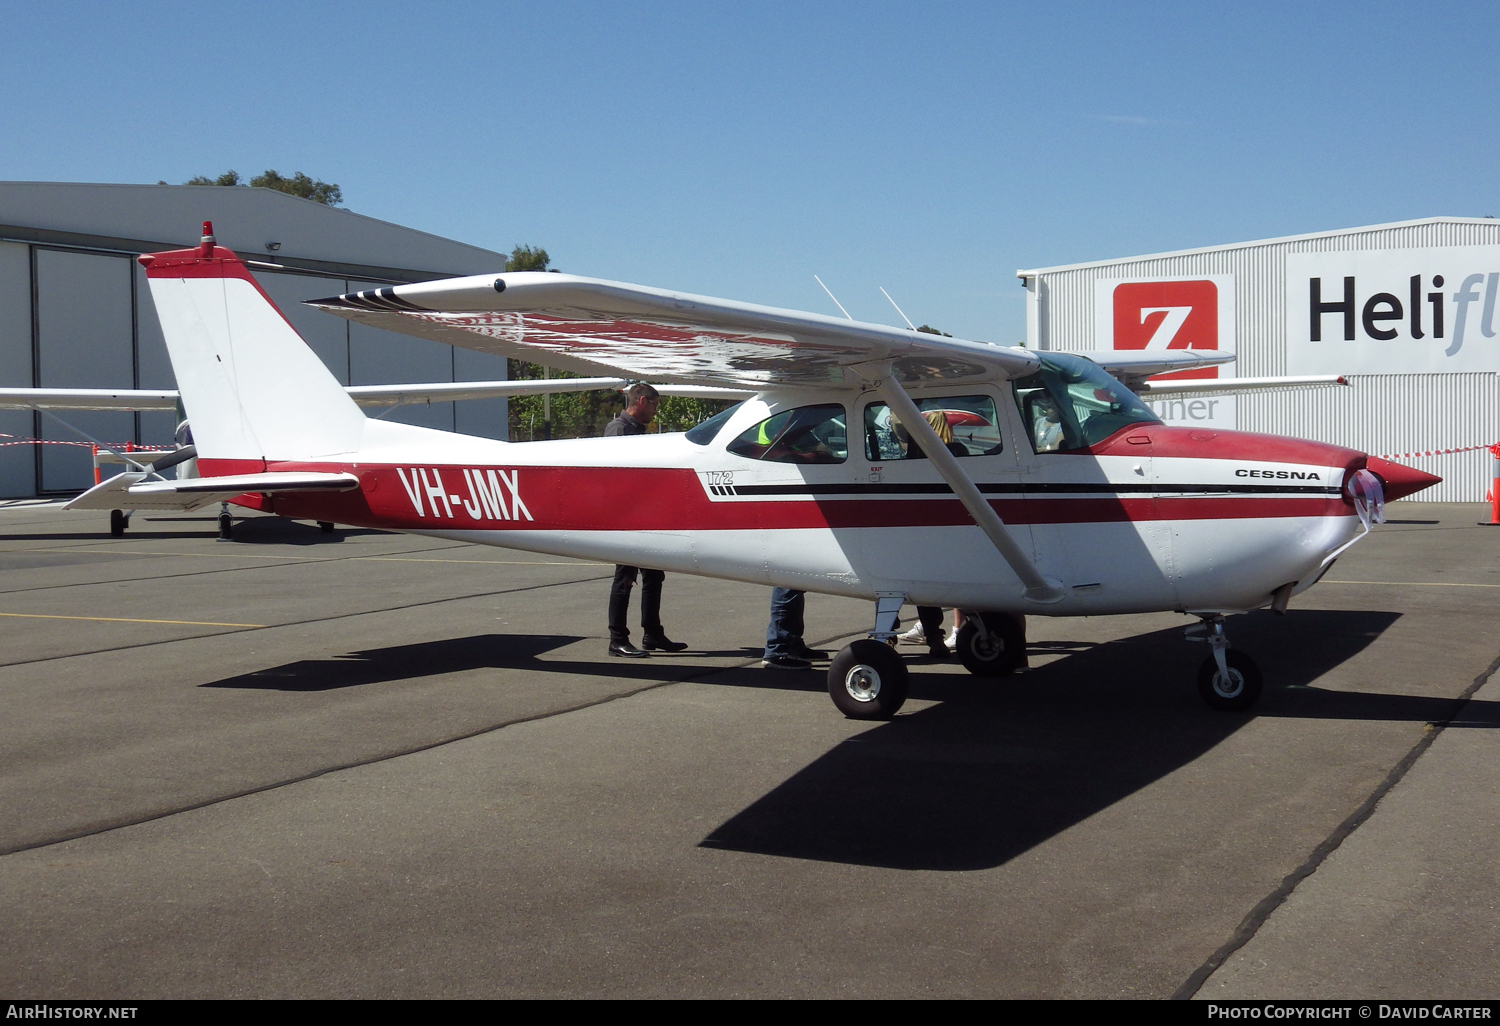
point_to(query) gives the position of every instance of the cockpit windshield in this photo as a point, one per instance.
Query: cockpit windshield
(1072, 403)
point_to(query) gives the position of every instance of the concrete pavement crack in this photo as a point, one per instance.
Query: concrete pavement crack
(1258, 915)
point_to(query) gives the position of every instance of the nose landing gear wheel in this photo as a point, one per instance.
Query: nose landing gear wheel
(1237, 691)
(118, 521)
(867, 681)
(997, 651)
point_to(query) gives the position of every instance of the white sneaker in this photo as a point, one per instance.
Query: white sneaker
(953, 640)
(915, 636)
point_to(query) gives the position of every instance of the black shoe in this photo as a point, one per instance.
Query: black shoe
(811, 654)
(786, 662)
(939, 652)
(661, 643)
(625, 648)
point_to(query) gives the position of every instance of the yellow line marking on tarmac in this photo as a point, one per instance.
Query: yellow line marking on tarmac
(1419, 584)
(122, 619)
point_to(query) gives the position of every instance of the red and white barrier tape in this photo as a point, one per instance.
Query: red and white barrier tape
(122, 447)
(1493, 448)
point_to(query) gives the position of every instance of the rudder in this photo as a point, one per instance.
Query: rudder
(251, 386)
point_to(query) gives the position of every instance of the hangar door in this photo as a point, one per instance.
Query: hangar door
(85, 338)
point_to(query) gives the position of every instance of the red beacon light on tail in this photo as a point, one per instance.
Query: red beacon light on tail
(206, 244)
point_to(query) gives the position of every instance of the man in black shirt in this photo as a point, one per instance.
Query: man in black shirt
(640, 409)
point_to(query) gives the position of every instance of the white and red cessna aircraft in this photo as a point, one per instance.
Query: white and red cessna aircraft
(1060, 493)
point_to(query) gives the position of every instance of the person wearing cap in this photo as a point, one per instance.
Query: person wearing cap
(640, 409)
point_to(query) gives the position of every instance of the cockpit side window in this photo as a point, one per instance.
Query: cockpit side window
(807, 434)
(966, 424)
(1072, 403)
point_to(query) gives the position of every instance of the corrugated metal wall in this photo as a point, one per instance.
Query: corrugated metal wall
(1379, 414)
(90, 324)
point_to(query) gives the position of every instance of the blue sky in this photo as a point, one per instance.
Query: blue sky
(737, 149)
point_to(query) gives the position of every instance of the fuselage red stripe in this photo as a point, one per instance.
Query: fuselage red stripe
(649, 499)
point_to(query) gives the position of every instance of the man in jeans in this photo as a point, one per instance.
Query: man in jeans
(785, 649)
(640, 410)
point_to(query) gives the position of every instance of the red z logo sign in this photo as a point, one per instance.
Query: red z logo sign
(1168, 315)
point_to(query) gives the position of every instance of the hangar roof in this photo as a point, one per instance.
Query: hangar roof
(1259, 242)
(147, 218)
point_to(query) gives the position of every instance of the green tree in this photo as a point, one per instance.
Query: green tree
(933, 331)
(297, 185)
(585, 414)
(227, 178)
(300, 185)
(527, 258)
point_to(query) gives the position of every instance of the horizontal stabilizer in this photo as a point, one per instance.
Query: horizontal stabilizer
(126, 399)
(132, 491)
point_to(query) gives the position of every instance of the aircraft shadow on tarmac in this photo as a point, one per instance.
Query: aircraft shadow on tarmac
(428, 659)
(999, 766)
(407, 662)
(252, 530)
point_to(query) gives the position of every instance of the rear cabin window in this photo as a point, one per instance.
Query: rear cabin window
(808, 434)
(966, 424)
(1072, 403)
(709, 429)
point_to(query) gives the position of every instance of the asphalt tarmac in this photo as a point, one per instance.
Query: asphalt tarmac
(373, 765)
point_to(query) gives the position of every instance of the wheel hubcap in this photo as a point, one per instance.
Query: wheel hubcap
(1229, 685)
(863, 683)
(987, 646)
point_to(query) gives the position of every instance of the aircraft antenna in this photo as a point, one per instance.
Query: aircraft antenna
(832, 297)
(905, 318)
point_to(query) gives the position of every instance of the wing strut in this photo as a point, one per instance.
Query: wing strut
(1038, 588)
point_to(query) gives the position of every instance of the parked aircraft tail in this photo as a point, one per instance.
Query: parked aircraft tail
(252, 388)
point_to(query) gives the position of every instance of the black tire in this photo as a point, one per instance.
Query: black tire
(996, 653)
(867, 681)
(226, 527)
(1240, 692)
(325, 526)
(117, 522)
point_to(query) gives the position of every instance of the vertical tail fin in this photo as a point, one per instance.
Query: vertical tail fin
(252, 388)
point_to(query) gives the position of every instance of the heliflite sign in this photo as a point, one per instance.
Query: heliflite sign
(1411, 311)
(1172, 313)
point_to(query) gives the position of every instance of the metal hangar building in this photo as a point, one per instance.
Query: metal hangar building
(1405, 312)
(75, 310)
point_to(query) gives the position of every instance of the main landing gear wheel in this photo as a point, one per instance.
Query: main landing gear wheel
(1236, 691)
(996, 651)
(118, 521)
(226, 527)
(867, 680)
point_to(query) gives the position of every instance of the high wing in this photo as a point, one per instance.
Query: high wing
(131, 491)
(396, 395)
(1230, 386)
(605, 327)
(1142, 363)
(125, 399)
